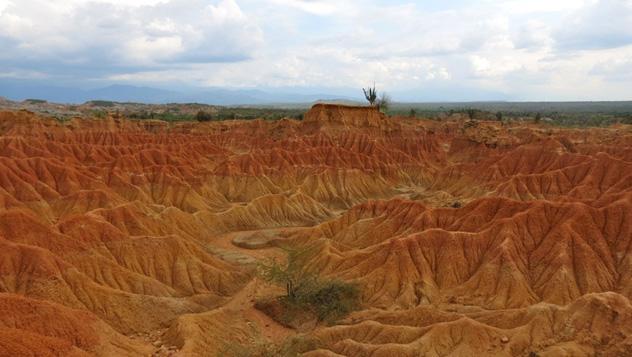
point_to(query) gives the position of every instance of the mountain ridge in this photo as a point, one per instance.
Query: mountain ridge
(19, 91)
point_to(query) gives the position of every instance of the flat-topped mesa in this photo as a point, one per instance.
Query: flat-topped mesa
(360, 116)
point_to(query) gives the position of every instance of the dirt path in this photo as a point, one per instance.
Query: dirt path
(241, 304)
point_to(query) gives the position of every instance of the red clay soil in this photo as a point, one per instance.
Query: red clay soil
(467, 239)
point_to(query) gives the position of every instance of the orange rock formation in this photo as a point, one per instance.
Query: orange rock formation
(122, 237)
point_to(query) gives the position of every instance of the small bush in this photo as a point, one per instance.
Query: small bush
(307, 294)
(384, 103)
(330, 300)
(203, 116)
(101, 114)
(538, 118)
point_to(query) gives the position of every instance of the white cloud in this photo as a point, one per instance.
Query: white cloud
(3, 5)
(318, 7)
(602, 24)
(524, 49)
(534, 34)
(19, 74)
(106, 34)
(521, 7)
(619, 69)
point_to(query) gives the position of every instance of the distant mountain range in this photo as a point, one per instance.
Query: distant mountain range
(16, 90)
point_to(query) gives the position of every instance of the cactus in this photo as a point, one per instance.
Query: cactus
(370, 94)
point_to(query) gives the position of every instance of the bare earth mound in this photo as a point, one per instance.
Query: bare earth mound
(134, 238)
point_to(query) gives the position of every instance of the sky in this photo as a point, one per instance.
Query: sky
(444, 49)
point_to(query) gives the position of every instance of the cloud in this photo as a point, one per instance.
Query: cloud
(3, 5)
(110, 36)
(618, 70)
(523, 49)
(316, 7)
(601, 25)
(534, 34)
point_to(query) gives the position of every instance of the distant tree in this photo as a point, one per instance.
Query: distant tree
(384, 103)
(293, 274)
(538, 117)
(499, 116)
(413, 113)
(471, 113)
(35, 101)
(370, 94)
(203, 116)
(101, 103)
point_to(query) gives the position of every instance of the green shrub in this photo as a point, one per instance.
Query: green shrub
(330, 300)
(101, 114)
(384, 103)
(293, 274)
(306, 293)
(538, 118)
(203, 116)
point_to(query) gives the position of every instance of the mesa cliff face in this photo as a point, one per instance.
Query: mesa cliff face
(488, 239)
